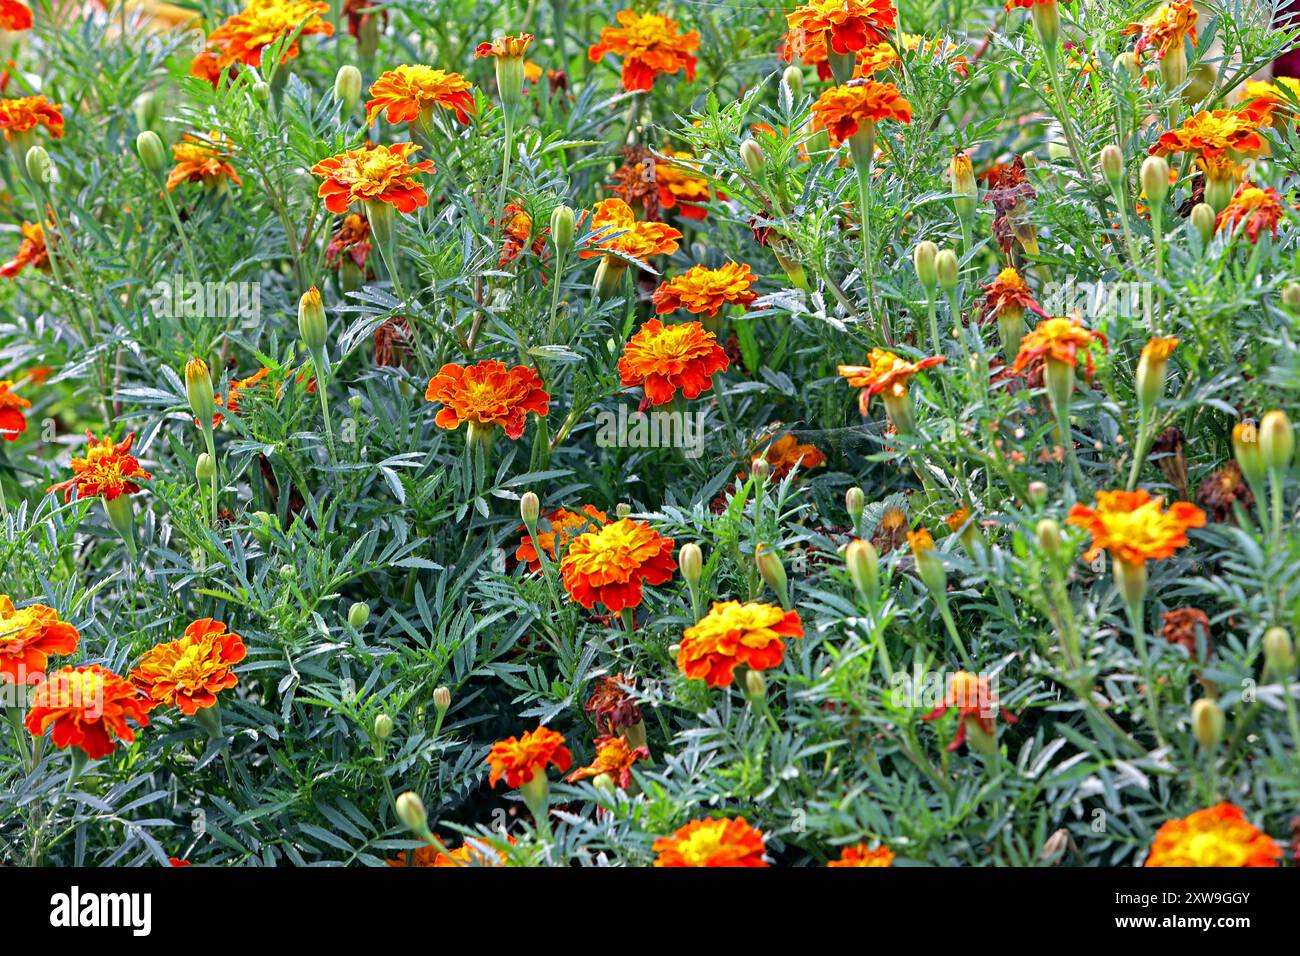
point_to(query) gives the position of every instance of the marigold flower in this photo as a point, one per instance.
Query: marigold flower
(649, 44)
(885, 374)
(469, 853)
(28, 636)
(87, 707)
(404, 93)
(191, 671)
(209, 64)
(1211, 133)
(732, 634)
(1258, 207)
(27, 112)
(1184, 625)
(852, 24)
(1218, 836)
(976, 707)
(352, 239)
(611, 564)
(1009, 293)
(1028, 4)
(32, 251)
(612, 705)
(1132, 526)
(666, 358)
(509, 47)
(12, 420)
(703, 290)
(680, 185)
(373, 174)
(623, 234)
(840, 110)
(15, 16)
(1223, 487)
(786, 453)
(1276, 96)
(107, 471)
(243, 36)
(564, 525)
(724, 842)
(519, 759)
(201, 161)
(1166, 29)
(861, 855)
(614, 756)
(487, 394)
(519, 230)
(1057, 339)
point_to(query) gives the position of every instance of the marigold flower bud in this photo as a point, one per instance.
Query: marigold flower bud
(772, 571)
(261, 91)
(1047, 21)
(1279, 652)
(1218, 191)
(755, 685)
(1111, 163)
(961, 177)
(442, 699)
(1153, 365)
(945, 265)
(924, 258)
(1038, 492)
(1207, 723)
(1131, 579)
(760, 469)
(383, 726)
(148, 109)
(863, 563)
(1203, 219)
(793, 78)
(358, 614)
(311, 322)
(609, 276)
(347, 87)
(1129, 61)
(691, 562)
(198, 389)
(1201, 83)
(855, 502)
(562, 226)
(1245, 449)
(204, 469)
(1276, 440)
(752, 155)
(410, 810)
(605, 784)
(1048, 533)
(530, 510)
(38, 164)
(1155, 179)
(1291, 297)
(150, 150)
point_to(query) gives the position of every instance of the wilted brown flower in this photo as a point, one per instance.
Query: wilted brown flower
(392, 341)
(1218, 490)
(1183, 625)
(1168, 454)
(612, 706)
(891, 531)
(635, 182)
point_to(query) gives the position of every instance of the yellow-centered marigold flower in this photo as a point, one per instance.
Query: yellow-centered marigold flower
(488, 394)
(402, 94)
(1009, 293)
(191, 671)
(852, 24)
(1218, 836)
(649, 44)
(87, 707)
(614, 756)
(971, 695)
(623, 234)
(28, 637)
(15, 16)
(1133, 527)
(680, 185)
(107, 471)
(724, 842)
(1278, 96)
(611, 564)
(1259, 208)
(1166, 29)
(373, 174)
(243, 37)
(561, 526)
(519, 759)
(32, 251)
(732, 634)
(1212, 133)
(201, 161)
(841, 110)
(665, 359)
(701, 290)
(886, 374)
(25, 113)
(470, 853)
(862, 855)
(505, 47)
(1057, 339)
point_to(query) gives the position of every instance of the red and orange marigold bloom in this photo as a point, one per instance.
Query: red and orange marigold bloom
(841, 110)
(470, 853)
(786, 453)
(25, 113)
(722, 842)
(402, 94)
(1057, 339)
(649, 44)
(191, 671)
(1008, 293)
(681, 186)
(28, 636)
(1259, 208)
(1030, 4)
(732, 634)
(1166, 29)
(562, 526)
(1133, 527)
(505, 47)
(1276, 96)
(487, 394)
(667, 358)
(861, 855)
(852, 24)
(1212, 133)
(243, 36)
(1218, 836)
(519, 759)
(235, 393)
(201, 161)
(614, 756)
(15, 16)
(107, 471)
(885, 374)
(976, 707)
(519, 232)
(32, 251)
(373, 174)
(701, 290)
(611, 565)
(623, 234)
(209, 64)
(87, 707)
(12, 420)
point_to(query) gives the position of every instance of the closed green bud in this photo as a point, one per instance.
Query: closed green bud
(1111, 163)
(622, 509)
(855, 502)
(198, 389)
(359, 614)
(1203, 219)
(1129, 62)
(1291, 297)
(755, 685)
(150, 150)
(772, 571)
(605, 784)
(793, 78)
(1207, 723)
(38, 164)
(148, 109)
(410, 810)
(1048, 533)
(924, 259)
(945, 265)
(1246, 450)
(383, 726)
(1276, 440)
(1155, 179)
(760, 469)
(863, 563)
(752, 155)
(530, 510)
(311, 322)
(347, 87)
(261, 91)
(204, 468)
(442, 699)
(691, 561)
(1279, 652)
(1038, 492)
(562, 226)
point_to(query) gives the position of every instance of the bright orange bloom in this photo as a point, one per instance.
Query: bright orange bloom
(84, 704)
(1212, 133)
(27, 112)
(235, 392)
(1278, 95)
(724, 842)
(1218, 836)
(402, 94)
(861, 855)
(976, 706)
(623, 234)
(886, 373)
(921, 542)
(1028, 4)
(506, 47)
(488, 394)
(243, 37)
(1258, 207)
(373, 174)
(564, 525)
(852, 24)
(1059, 339)
(1133, 528)
(615, 757)
(665, 358)
(649, 44)
(519, 759)
(840, 110)
(1159, 349)
(680, 185)
(12, 420)
(28, 637)
(519, 230)
(208, 64)
(32, 251)
(107, 471)
(785, 454)
(191, 671)
(702, 290)
(1008, 292)
(201, 161)
(1166, 29)
(732, 634)
(611, 565)
(15, 16)
(469, 853)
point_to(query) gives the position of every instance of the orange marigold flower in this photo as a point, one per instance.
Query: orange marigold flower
(470, 853)
(1278, 95)
(976, 706)
(1166, 29)
(1218, 836)
(624, 235)
(107, 471)
(15, 16)
(519, 759)
(1008, 293)
(615, 757)
(32, 251)
(12, 420)
(785, 454)
(563, 525)
(1211, 133)
(404, 93)
(85, 704)
(885, 373)
(724, 842)
(507, 47)
(680, 185)
(1258, 207)
(519, 230)
(1158, 349)
(27, 112)
(703, 290)
(732, 634)
(649, 44)
(487, 394)
(28, 636)
(611, 565)
(842, 109)
(852, 24)
(373, 174)
(861, 855)
(243, 36)
(1058, 339)
(665, 358)
(1028, 4)
(234, 394)
(191, 671)
(1132, 526)
(201, 161)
